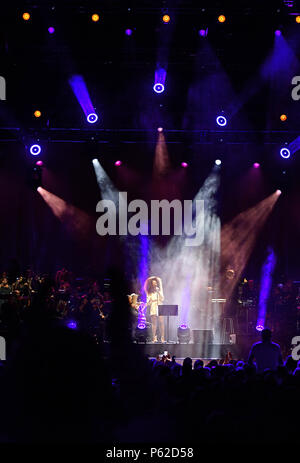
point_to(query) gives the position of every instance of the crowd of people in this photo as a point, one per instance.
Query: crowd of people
(71, 299)
(58, 384)
(58, 387)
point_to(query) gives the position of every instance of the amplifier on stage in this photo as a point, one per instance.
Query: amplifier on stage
(203, 336)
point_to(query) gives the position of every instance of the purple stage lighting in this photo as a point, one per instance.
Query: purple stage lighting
(221, 120)
(159, 80)
(35, 150)
(277, 33)
(285, 153)
(158, 88)
(118, 163)
(141, 326)
(39, 163)
(184, 164)
(160, 129)
(128, 32)
(218, 162)
(72, 324)
(92, 118)
(81, 93)
(265, 287)
(51, 30)
(256, 165)
(259, 328)
(202, 32)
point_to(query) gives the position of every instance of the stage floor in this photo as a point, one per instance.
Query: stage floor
(195, 351)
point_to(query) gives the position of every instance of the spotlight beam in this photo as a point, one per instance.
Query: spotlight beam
(81, 93)
(75, 220)
(265, 286)
(238, 239)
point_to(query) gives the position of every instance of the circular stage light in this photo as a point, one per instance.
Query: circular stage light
(39, 163)
(118, 163)
(26, 16)
(158, 88)
(283, 117)
(183, 334)
(92, 118)
(184, 164)
(35, 150)
(285, 153)
(298, 19)
(51, 30)
(278, 192)
(218, 162)
(142, 333)
(256, 165)
(160, 129)
(259, 328)
(221, 18)
(72, 324)
(221, 120)
(37, 113)
(128, 32)
(166, 18)
(95, 18)
(277, 33)
(202, 33)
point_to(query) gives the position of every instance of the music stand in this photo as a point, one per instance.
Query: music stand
(168, 311)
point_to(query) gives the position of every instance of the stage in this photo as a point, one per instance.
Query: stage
(201, 351)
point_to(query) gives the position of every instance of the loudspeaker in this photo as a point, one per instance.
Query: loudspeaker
(203, 336)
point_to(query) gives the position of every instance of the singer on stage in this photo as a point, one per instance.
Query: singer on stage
(155, 296)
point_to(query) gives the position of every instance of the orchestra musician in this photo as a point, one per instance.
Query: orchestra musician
(155, 296)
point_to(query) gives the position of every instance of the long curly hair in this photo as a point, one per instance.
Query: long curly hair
(149, 287)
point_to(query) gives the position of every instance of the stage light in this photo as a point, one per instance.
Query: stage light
(159, 80)
(202, 32)
(39, 163)
(95, 18)
(277, 33)
(183, 334)
(35, 150)
(218, 162)
(118, 163)
(221, 120)
(158, 88)
(184, 164)
(283, 117)
(160, 129)
(285, 153)
(72, 324)
(221, 18)
(166, 18)
(51, 30)
(92, 118)
(26, 16)
(298, 19)
(128, 32)
(37, 113)
(278, 192)
(259, 328)
(142, 333)
(256, 165)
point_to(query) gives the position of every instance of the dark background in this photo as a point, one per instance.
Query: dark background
(204, 76)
